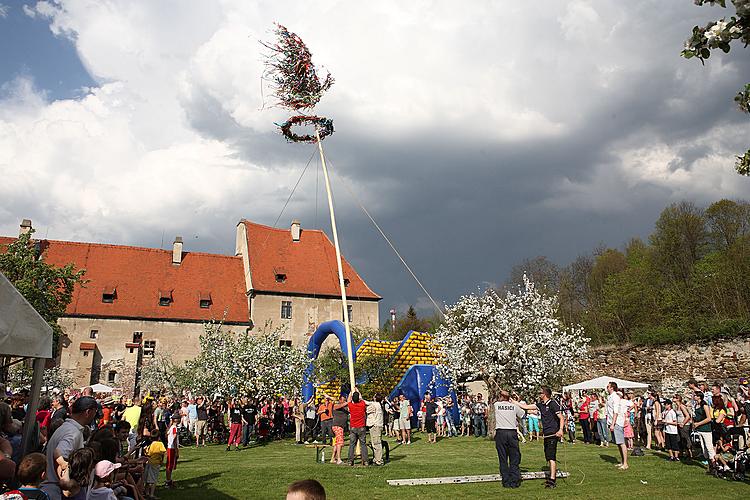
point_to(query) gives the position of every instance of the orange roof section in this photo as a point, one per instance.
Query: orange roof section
(138, 275)
(309, 265)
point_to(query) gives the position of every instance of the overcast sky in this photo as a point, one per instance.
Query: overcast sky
(477, 134)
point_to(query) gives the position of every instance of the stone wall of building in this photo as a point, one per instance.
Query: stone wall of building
(668, 368)
(112, 362)
(308, 313)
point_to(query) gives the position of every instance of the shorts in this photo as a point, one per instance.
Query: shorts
(619, 434)
(200, 428)
(338, 433)
(396, 424)
(171, 459)
(550, 447)
(151, 473)
(533, 425)
(673, 442)
(404, 423)
(429, 426)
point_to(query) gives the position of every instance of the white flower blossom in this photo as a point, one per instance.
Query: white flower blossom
(516, 340)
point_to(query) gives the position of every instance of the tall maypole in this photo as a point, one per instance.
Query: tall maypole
(297, 87)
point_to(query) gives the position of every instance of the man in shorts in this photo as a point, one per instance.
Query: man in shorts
(404, 419)
(553, 422)
(616, 422)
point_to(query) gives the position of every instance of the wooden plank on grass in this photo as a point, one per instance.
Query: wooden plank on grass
(526, 476)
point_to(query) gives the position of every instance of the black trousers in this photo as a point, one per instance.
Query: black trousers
(509, 455)
(586, 430)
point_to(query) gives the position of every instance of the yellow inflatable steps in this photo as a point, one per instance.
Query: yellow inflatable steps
(415, 349)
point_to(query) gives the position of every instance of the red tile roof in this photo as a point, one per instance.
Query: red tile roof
(309, 264)
(88, 346)
(139, 275)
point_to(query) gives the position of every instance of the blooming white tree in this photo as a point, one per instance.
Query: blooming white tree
(20, 377)
(515, 342)
(246, 363)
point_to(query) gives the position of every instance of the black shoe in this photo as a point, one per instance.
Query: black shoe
(514, 485)
(551, 484)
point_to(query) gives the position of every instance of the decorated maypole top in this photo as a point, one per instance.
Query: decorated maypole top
(295, 84)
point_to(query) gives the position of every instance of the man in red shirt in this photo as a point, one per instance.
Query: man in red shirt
(357, 428)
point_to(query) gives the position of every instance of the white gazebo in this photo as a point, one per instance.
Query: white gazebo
(601, 383)
(24, 334)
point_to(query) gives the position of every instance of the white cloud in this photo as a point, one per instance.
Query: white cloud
(180, 85)
(4, 9)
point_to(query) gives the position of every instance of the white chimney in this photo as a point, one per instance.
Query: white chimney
(25, 227)
(296, 230)
(177, 250)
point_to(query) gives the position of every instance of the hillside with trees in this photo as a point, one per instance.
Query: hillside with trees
(690, 280)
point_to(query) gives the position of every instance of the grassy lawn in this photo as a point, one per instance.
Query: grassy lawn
(264, 471)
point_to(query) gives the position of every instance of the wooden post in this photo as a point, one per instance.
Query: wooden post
(30, 419)
(338, 262)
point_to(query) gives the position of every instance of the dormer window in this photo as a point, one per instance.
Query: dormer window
(204, 300)
(346, 282)
(280, 274)
(165, 298)
(109, 294)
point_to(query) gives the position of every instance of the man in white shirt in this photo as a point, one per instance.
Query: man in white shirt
(616, 422)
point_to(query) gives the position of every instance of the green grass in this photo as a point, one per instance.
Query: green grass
(264, 472)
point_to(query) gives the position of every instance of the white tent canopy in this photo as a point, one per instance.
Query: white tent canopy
(99, 388)
(23, 332)
(601, 383)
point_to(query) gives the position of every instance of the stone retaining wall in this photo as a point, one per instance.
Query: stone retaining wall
(669, 367)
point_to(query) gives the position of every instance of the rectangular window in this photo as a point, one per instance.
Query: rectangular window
(149, 348)
(137, 337)
(286, 309)
(85, 353)
(165, 297)
(93, 334)
(349, 314)
(285, 343)
(112, 377)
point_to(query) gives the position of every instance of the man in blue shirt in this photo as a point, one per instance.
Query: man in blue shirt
(192, 416)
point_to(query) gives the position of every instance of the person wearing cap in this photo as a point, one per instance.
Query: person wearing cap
(100, 490)
(64, 441)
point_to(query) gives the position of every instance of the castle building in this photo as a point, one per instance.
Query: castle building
(139, 302)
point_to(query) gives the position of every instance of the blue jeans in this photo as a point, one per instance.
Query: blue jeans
(601, 426)
(247, 431)
(480, 426)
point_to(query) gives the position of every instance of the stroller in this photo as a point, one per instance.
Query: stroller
(737, 459)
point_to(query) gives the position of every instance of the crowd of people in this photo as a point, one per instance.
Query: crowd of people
(102, 447)
(700, 423)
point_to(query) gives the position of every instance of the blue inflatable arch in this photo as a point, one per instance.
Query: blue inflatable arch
(334, 327)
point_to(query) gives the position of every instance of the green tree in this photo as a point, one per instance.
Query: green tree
(410, 321)
(679, 240)
(727, 222)
(720, 35)
(48, 289)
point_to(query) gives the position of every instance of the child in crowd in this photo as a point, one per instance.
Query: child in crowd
(173, 449)
(308, 489)
(77, 476)
(100, 490)
(155, 453)
(30, 474)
